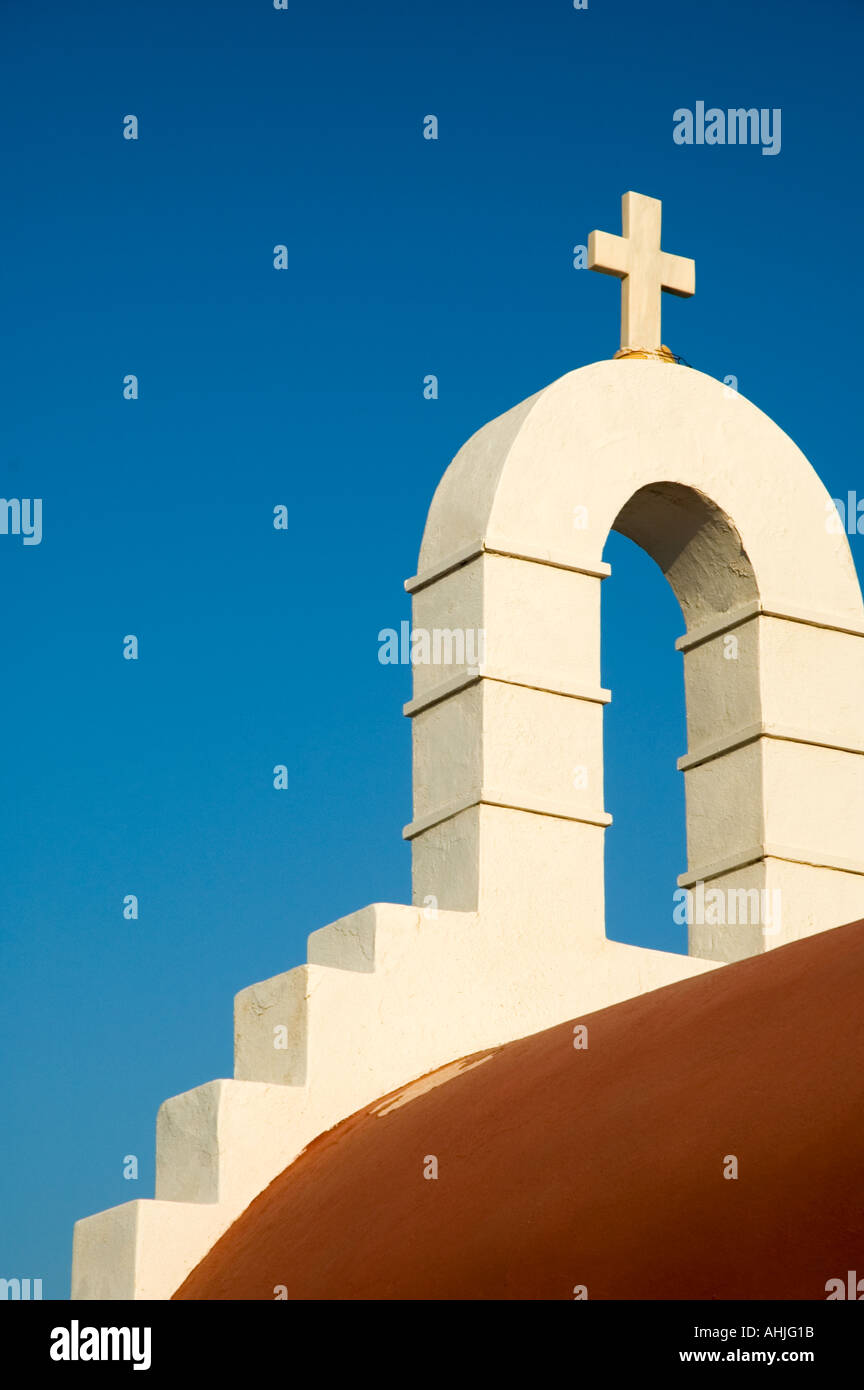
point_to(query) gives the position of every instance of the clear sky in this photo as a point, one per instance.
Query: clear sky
(303, 387)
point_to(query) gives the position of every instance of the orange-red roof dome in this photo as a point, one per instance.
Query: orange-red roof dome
(601, 1167)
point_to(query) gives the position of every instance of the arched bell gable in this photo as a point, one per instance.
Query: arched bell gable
(744, 530)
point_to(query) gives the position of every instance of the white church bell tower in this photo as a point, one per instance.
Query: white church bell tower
(507, 934)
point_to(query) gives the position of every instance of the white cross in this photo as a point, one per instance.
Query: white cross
(645, 270)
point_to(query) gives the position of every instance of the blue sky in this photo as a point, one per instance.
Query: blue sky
(304, 388)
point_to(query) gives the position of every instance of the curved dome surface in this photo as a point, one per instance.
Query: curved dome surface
(600, 1166)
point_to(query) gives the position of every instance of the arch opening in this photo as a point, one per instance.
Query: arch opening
(699, 552)
(644, 731)
(696, 546)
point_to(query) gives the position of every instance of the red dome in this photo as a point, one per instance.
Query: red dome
(601, 1167)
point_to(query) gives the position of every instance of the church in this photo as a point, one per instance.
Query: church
(480, 1095)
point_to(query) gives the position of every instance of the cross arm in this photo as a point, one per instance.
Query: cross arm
(609, 254)
(678, 274)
